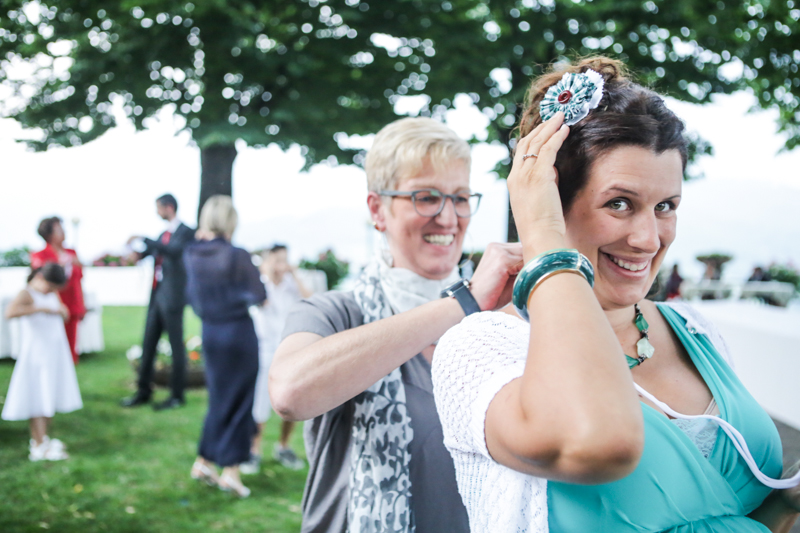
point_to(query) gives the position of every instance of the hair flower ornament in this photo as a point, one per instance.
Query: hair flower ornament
(574, 95)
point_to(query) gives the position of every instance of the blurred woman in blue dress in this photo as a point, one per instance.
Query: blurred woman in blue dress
(222, 283)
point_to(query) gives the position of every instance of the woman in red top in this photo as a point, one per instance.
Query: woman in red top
(71, 295)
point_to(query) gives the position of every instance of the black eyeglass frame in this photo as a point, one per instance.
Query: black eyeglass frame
(436, 192)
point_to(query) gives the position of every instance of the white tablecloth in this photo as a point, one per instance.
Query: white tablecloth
(109, 286)
(90, 330)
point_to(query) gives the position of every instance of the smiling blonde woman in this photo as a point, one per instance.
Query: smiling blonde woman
(357, 364)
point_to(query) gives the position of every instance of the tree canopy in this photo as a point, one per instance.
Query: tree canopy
(313, 72)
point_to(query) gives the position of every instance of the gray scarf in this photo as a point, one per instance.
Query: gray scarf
(380, 481)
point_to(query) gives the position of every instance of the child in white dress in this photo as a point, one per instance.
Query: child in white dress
(283, 290)
(43, 382)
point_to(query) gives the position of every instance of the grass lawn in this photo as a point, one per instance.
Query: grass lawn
(129, 468)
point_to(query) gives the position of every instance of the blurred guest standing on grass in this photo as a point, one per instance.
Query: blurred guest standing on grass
(673, 288)
(284, 290)
(167, 301)
(44, 381)
(759, 275)
(358, 363)
(51, 230)
(222, 284)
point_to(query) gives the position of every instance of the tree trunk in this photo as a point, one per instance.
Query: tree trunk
(511, 230)
(216, 169)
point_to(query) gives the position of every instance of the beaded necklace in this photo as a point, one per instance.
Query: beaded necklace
(644, 349)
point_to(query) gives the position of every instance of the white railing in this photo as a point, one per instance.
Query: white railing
(776, 291)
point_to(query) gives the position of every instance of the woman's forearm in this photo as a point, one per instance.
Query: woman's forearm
(574, 414)
(576, 368)
(311, 375)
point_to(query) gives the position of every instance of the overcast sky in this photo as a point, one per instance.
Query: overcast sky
(747, 205)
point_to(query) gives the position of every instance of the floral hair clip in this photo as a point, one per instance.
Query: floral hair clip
(574, 95)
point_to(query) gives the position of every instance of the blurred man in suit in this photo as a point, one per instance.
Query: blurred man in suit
(167, 300)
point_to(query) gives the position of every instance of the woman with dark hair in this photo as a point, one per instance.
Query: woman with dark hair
(630, 409)
(44, 381)
(71, 294)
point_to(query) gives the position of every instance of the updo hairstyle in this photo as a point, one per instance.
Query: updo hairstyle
(628, 115)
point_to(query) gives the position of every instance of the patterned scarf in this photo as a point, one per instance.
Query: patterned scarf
(380, 481)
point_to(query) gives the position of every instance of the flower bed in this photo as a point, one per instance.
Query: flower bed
(110, 260)
(162, 373)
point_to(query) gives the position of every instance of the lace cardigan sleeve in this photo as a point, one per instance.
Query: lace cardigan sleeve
(473, 361)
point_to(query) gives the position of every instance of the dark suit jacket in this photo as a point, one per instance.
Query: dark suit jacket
(170, 293)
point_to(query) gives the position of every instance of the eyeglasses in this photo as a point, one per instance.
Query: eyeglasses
(430, 202)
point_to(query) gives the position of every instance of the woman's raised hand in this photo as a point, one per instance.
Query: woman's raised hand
(493, 281)
(533, 189)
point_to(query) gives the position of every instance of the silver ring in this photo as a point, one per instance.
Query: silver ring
(526, 156)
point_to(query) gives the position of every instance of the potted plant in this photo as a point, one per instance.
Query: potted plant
(714, 264)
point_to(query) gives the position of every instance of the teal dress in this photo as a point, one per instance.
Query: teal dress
(675, 489)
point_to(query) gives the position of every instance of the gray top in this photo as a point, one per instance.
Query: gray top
(435, 501)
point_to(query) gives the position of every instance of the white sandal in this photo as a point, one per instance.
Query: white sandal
(47, 451)
(37, 451)
(55, 454)
(204, 473)
(54, 443)
(228, 484)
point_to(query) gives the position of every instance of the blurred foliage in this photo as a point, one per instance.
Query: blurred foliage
(658, 290)
(335, 269)
(786, 274)
(16, 257)
(476, 257)
(714, 258)
(313, 73)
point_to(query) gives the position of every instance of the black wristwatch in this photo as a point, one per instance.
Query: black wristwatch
(460, 291)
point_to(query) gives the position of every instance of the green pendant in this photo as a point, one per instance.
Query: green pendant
(631, 361)
(644, 348)
(641, 323)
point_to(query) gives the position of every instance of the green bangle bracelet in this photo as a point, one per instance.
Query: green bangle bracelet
(542, 267)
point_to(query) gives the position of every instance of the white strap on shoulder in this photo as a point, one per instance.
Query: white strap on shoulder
(738, 442)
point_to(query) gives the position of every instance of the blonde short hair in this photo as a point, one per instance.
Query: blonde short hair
(400, 149)
(218, 216)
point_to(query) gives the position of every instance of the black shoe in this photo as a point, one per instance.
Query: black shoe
(169, 403)
(135, 400)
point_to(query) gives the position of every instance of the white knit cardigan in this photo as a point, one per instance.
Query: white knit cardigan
(473, 361)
